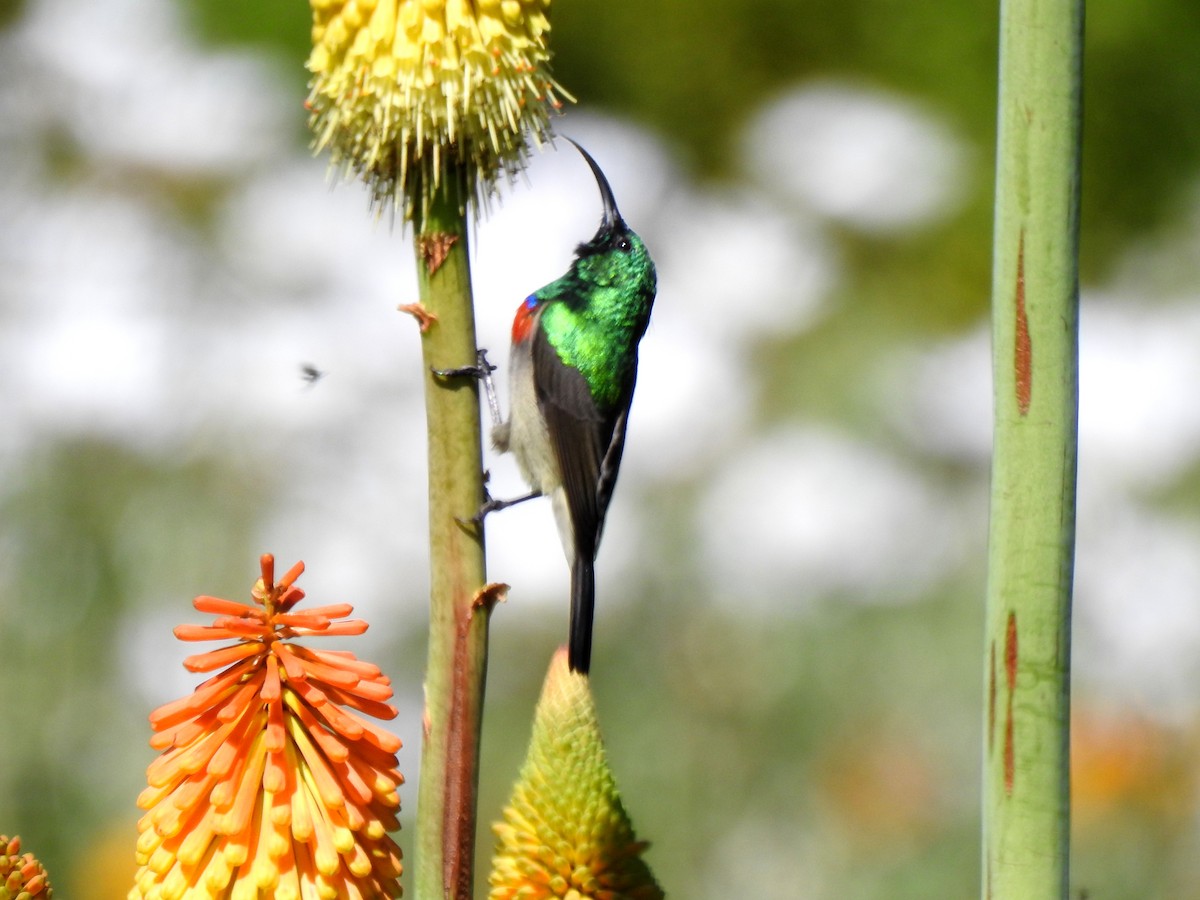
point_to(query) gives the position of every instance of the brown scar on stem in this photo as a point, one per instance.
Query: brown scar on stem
(460, 759)
(991, 725)
(1023, 348)
(458, 798)
(434, 248)
(1010, 671)
(425, 319)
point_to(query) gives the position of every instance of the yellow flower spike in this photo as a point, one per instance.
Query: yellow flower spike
(565, 833)
(399, 85)
(261, 786)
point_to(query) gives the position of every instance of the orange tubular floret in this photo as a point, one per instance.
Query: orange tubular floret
(331, 744)
(347, 628)
(218, 606)
(358, 699)
(384, 740)
(288, 599)
(320, 671)
(197, 842)
(266, 873)
(353, 785)
(272, 687)
(237, 819)
(274, 775)
(344, 659)
(289, 880)
(276, 733)
(379, 774)
(247, 629)
(241, 700)
(305, 621)
(292, 574)
(281, 810)
(330, 611)
(194, 791)
(302, 819)
(180, 762)
(317, 769)
(343, 723)
(216, 633)
(214, 659)
(185, 731)
(199, 701)
(325, 856)
(292, 667)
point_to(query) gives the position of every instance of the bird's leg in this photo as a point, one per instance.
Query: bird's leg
(491, 504)
(483, 371)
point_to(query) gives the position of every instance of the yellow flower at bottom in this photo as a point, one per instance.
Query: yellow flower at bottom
(400, 85)
(270, 785)
(565, 832)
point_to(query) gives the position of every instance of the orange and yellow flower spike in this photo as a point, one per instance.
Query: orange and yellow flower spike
(270, 784)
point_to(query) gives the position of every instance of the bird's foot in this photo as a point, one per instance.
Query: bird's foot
(482, 369)
(491, 504)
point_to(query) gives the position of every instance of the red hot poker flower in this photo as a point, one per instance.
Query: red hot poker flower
(270, 783)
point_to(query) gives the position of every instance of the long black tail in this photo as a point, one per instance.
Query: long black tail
(583, 601)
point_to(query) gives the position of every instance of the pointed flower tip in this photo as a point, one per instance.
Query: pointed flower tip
(400, 87)
(22, 876)
(565, 832)
(269, 772)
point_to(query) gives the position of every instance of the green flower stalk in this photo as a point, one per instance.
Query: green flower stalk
(1035, 305)
(565, 833)
(429, 101)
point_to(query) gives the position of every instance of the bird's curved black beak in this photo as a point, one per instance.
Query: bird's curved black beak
(612, 216)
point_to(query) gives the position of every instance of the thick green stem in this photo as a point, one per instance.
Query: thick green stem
(1035, 302)
(457, 665)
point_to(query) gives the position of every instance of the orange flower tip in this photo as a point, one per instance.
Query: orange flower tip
(327, 861)
(266, 564)
(218, 606)
(292, 574)
(236, 851)
(216, 659)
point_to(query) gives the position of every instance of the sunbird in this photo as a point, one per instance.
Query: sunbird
(572, 371)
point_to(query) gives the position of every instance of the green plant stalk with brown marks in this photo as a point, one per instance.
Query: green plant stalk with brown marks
(1035, 302)
(454, 684)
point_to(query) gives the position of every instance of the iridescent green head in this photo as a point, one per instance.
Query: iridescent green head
(615, 256)
(595, 315)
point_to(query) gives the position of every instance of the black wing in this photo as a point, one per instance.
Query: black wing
(587, 442)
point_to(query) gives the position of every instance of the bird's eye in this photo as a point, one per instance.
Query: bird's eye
(624, 245)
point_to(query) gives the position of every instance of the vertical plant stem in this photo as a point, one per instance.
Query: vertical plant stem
(1035, 303)
(457, 664)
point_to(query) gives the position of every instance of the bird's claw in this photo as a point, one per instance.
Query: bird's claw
(482, 368)
(490, 504)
